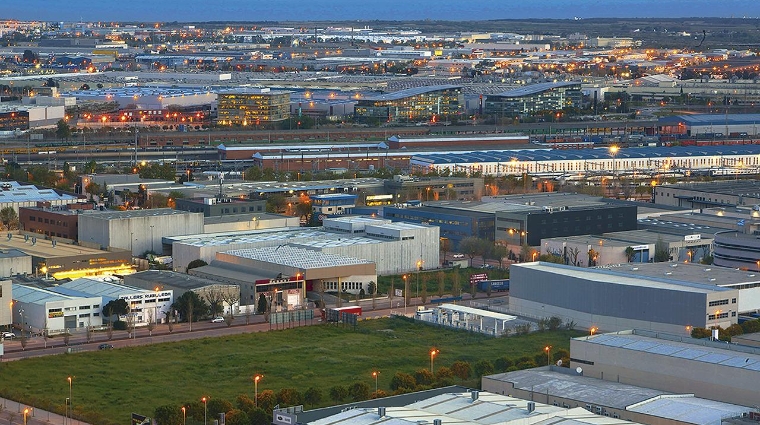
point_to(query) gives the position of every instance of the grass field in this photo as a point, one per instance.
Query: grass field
(109, 385)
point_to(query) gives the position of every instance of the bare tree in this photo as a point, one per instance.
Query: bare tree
(339, 301)
(228, 319)
(215, 298)
(231, 298)
(88, 333)
(151, 322)
(190, 315)
(130, 319)
(170, 320)
(574, 252)
(24, 340)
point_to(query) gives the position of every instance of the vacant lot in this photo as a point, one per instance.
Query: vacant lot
(109, 385)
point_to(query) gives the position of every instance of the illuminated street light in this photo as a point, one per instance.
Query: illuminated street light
(205, 410)
(256, 380)
(433, 352)
(375, 374)
(548, 350)
(593, 329)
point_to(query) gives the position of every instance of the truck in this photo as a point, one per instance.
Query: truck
(496, 285)
(357, 310)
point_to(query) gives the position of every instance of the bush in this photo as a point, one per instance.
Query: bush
(483, 367)
(423, 377)
(403, 381)
(503, 363)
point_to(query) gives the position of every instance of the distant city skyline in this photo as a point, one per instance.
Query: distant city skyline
(345, 10)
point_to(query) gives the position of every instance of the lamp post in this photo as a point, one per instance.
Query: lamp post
(256, 380)
(21, 313)
(548, 350)
(419, 267)
(151, 239)
(613, 151)
(184, 415)
(205, 410)
(433, 352)
(71, 399)
(592, 330)
(26, 413)
(375, 375)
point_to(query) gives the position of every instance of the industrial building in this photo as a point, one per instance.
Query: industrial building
(393, 247)
(25, 117)
(246, 222)
(456, 222)
(6, 302)
(737, 250)
(60, 221)
(137, 230)
(429, 103)
(711, 126)
(525, 101)
(36, 310)
(252, 106)
(562, 386)
(179, 283)
(145, 305)
(475, 408)
(15, 262)
(666, 298)
(214, 207)
(403, 188)
(720, 160)
(151, 100)
(674, 363)
(14, 194)
(66, 260)
(699, 195)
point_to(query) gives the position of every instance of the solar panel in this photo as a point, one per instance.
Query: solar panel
(689, 353)
(664, 349)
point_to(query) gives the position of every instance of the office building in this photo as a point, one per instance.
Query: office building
(534, 98)
(252, 107)
(39, 310)
(53, 221)
(216, 207)
(429, 103)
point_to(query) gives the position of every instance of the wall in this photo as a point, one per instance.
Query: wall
(5, 300)
(11, 266)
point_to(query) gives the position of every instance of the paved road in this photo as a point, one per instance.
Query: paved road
(11, 413)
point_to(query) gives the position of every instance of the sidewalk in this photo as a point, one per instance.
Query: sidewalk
(11, 413)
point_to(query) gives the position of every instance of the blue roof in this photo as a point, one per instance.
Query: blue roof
(414, 91)
(535, 88)
(711, 119)
(585, 154)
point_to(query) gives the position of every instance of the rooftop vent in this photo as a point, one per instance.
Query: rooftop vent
(474, 395)
(381, 411)
(531, 407)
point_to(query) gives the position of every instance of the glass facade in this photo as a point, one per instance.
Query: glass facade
(552, 99)
(245, 108)
(434, 105)
(13, 120)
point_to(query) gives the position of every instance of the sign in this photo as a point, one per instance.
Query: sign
(54, 314)
(399, 293)
(282, 418)
(691, 238)
(475, 278)
(140, 419)
(640, 247)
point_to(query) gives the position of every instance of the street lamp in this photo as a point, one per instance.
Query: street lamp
(433, 352)
(26, 413)
(71, 399)
(375, 375)
(151, 239)
(419, 267)
(593, 329)
(256, 380)
(205, 410)
(548, 350)
(184, 415)
(613, 151)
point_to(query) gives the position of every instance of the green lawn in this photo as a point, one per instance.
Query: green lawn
(115, 383)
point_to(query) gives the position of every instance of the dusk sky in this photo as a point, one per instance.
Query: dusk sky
(301, 10)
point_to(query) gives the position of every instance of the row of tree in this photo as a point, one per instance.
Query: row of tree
(749, 326)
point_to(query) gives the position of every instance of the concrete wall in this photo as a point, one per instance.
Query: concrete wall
(674, 374)
(5, 302)
(247, 225)
(11, 266)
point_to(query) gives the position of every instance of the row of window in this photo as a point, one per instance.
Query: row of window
(718, 302)
(720, 316)
(48, 233)
(346, 286)
(49, 221)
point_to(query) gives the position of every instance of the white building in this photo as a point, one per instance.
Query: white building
(14, 194)
(6, 302)
(14, 262)
(137, 230)
(145, 305)
(37, 310)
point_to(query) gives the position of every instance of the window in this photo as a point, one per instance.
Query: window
(718, 302)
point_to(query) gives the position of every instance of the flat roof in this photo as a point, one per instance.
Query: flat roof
(477, 312)
(712, 119)
(300, 258)
(100, 288)
(236, 218)
(694, 273)
(744, 187)
(680, 346)
(413, 91)
(625, 276)
(43, 248)
(172, 279)
(17, 192)
(122, 215)
(32, 295)
(536, 88)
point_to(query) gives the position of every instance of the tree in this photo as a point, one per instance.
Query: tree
(267, 400)
(9, 218)
(461, 369)
(289, 397)
(423, 377)
(661, 251)
(190, 306)
(629, 253)
(217, 405)
(62, 130)
(338, 393)
(195, 264)
(483, 367)
(593, 257)
(359, 391)
(312, 396)
(167, 415)
(445, 246)
(119, 307)
(259, 417)
(574, 252)
(498, 253)
(262, 304)
(471, 246)
(403, 381)
(236, 417)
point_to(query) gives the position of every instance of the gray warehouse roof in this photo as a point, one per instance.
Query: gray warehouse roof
(296, 257)
(414, 91)
(535, 88)
(123, 215)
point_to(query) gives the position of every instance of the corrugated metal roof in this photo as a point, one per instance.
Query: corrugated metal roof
(536, 88)
(414, 91)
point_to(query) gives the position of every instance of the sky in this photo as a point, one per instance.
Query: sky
(364, 10)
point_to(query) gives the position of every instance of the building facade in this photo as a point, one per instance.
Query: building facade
(534, 98)
(736, 250)
(59, 221)
(252, 107)
(216, 207)
(431, 103)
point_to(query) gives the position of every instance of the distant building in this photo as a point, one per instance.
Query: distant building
(15, 262)
(53, 222)
(403, 188)
(36, 310)
(6, 302)
(612, 42)
(16, 195)
(534, 98)
(698, 195)
(215, 207)
(252, 107)
(333, 203)
(456, 223)
(25, 117)
(737, 250)
(430, 103)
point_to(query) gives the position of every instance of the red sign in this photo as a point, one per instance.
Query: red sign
(478, 277)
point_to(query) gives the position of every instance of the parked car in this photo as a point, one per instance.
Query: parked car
(105, 347)
(8, 335)
(217, 320)
(458, 256)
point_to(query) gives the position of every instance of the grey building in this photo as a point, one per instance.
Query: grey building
(668, 298)
(737, 250)
(137, 230)
(671, 362)
(434, 188)
(215, 207)
(566, 387)
(723, 193)
(14, 262)
(534, 98)
(180, 283)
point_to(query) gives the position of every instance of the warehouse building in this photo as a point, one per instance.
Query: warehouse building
(15, 262)
(154, 100)
(25, 117)
(216, 207)
(6, 302)
(474, 408)
(674, 363)
(138, 231)
(393, 247)
(665, 297)
(39, 310)
(524, 101)
(711, 125)
(561, 386)
(737, 250)
(700, 195)
(429, 103)
(15, 195)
